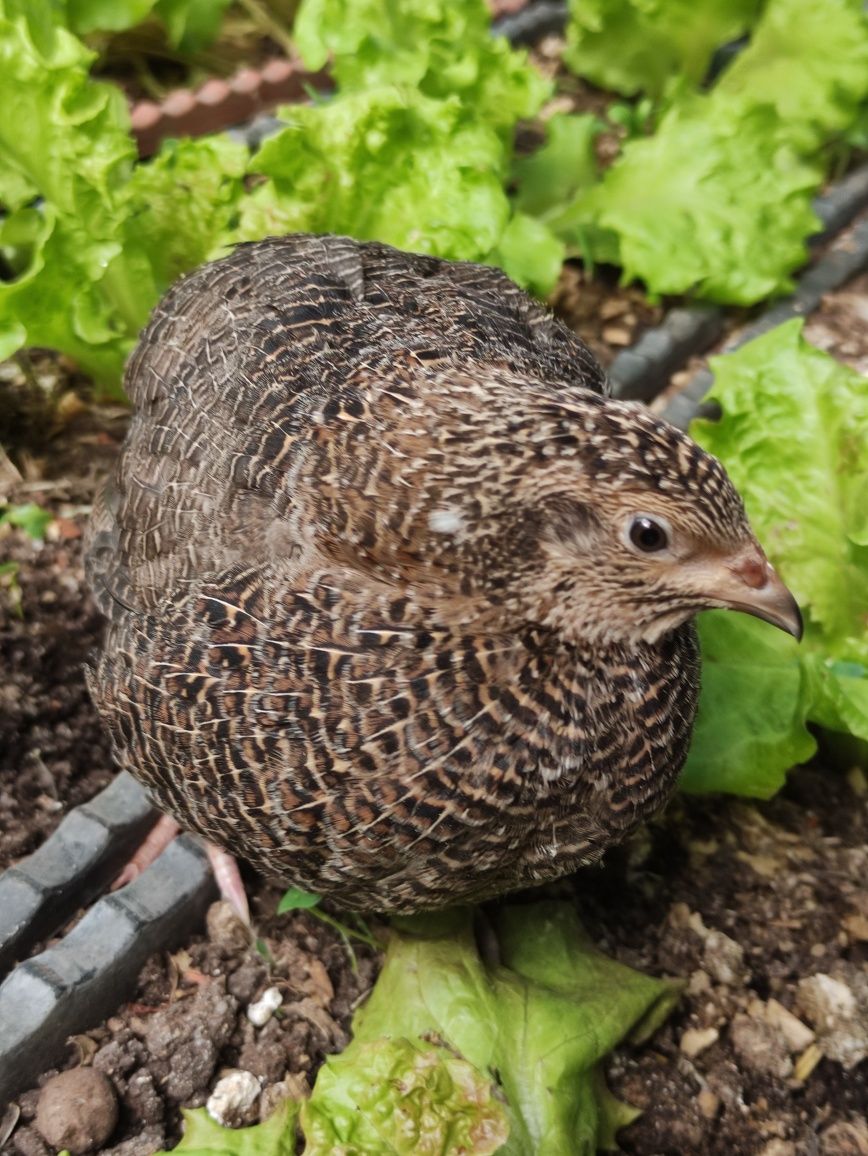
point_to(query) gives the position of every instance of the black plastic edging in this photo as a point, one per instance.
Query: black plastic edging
(76, 862)
(74, 985)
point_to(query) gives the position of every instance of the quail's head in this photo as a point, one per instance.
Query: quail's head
(594, 519)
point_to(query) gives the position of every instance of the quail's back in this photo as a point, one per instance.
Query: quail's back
(367, 628)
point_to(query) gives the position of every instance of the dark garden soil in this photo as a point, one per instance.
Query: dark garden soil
(762, 909)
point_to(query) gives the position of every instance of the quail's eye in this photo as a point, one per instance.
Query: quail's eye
(648, 535)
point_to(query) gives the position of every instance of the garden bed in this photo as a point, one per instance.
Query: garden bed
(742, 901)
(760, 909)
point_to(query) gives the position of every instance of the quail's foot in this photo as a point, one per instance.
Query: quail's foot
(223, 865)
(156, 841)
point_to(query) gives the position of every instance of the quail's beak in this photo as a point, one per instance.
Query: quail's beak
(749, 583)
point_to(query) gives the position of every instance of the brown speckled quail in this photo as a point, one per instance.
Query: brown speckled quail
(400, 603)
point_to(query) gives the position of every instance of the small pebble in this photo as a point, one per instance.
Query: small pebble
(261, 1011)
(225, 929)
(837, 1007)
(696, 1040)
(797, 1034)
(778, 1148)
(845, 1138)
(233, 1102)
(78, 1110)
(709, 1103)
(616, 335)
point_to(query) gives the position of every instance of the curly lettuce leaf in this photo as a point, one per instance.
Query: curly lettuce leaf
(632, 46)
(395, 166)
(542, 1019)
(794, 438)
(383, 165)
(438, 48)
(183, 206)
(67, 139)
(681, 214)
(406, 1097)
(810, 62)
(455, 1054)
(92, 255)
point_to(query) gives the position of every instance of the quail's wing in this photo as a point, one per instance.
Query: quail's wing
(240, 354)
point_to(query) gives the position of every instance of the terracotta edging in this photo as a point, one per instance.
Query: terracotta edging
(221, 104)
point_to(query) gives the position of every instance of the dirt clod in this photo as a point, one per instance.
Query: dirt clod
(78, 1110)
(760, 1048)
(837, 1006)
(185, 1038)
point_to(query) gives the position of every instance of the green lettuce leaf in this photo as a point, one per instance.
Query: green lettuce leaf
(633, 46)
(542, 1018)
(184, 206)
(810, 62)
(406, 1097)
(92, 257)
(683, 214)
(438, 48)
(191, 25)
(393, 165)
(67, 139)
(560, 169)
(529, 252)
(794, 438)
(453, 1054)
(273, 1137)
(30, 518)
(383, 165)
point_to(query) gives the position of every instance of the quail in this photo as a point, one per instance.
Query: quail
(400, 603)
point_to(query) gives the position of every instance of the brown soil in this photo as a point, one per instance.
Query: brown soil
(744, 902)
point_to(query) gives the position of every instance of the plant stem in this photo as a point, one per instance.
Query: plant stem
(263, 19)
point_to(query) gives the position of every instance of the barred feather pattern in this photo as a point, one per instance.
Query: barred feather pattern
(318, 556)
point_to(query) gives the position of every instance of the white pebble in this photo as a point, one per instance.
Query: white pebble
(261, 1010)
(233, 1098)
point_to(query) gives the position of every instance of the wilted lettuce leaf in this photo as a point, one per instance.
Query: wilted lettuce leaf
(406, 1097)
(542, 1019)
(452, 1054)
(794, 438)
(439, 48)
(633, 46)
(203, 1137)
(714, 202)
(810, 62)
(392, 165)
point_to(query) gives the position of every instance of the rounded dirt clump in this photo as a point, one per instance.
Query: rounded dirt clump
(78, 1110)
